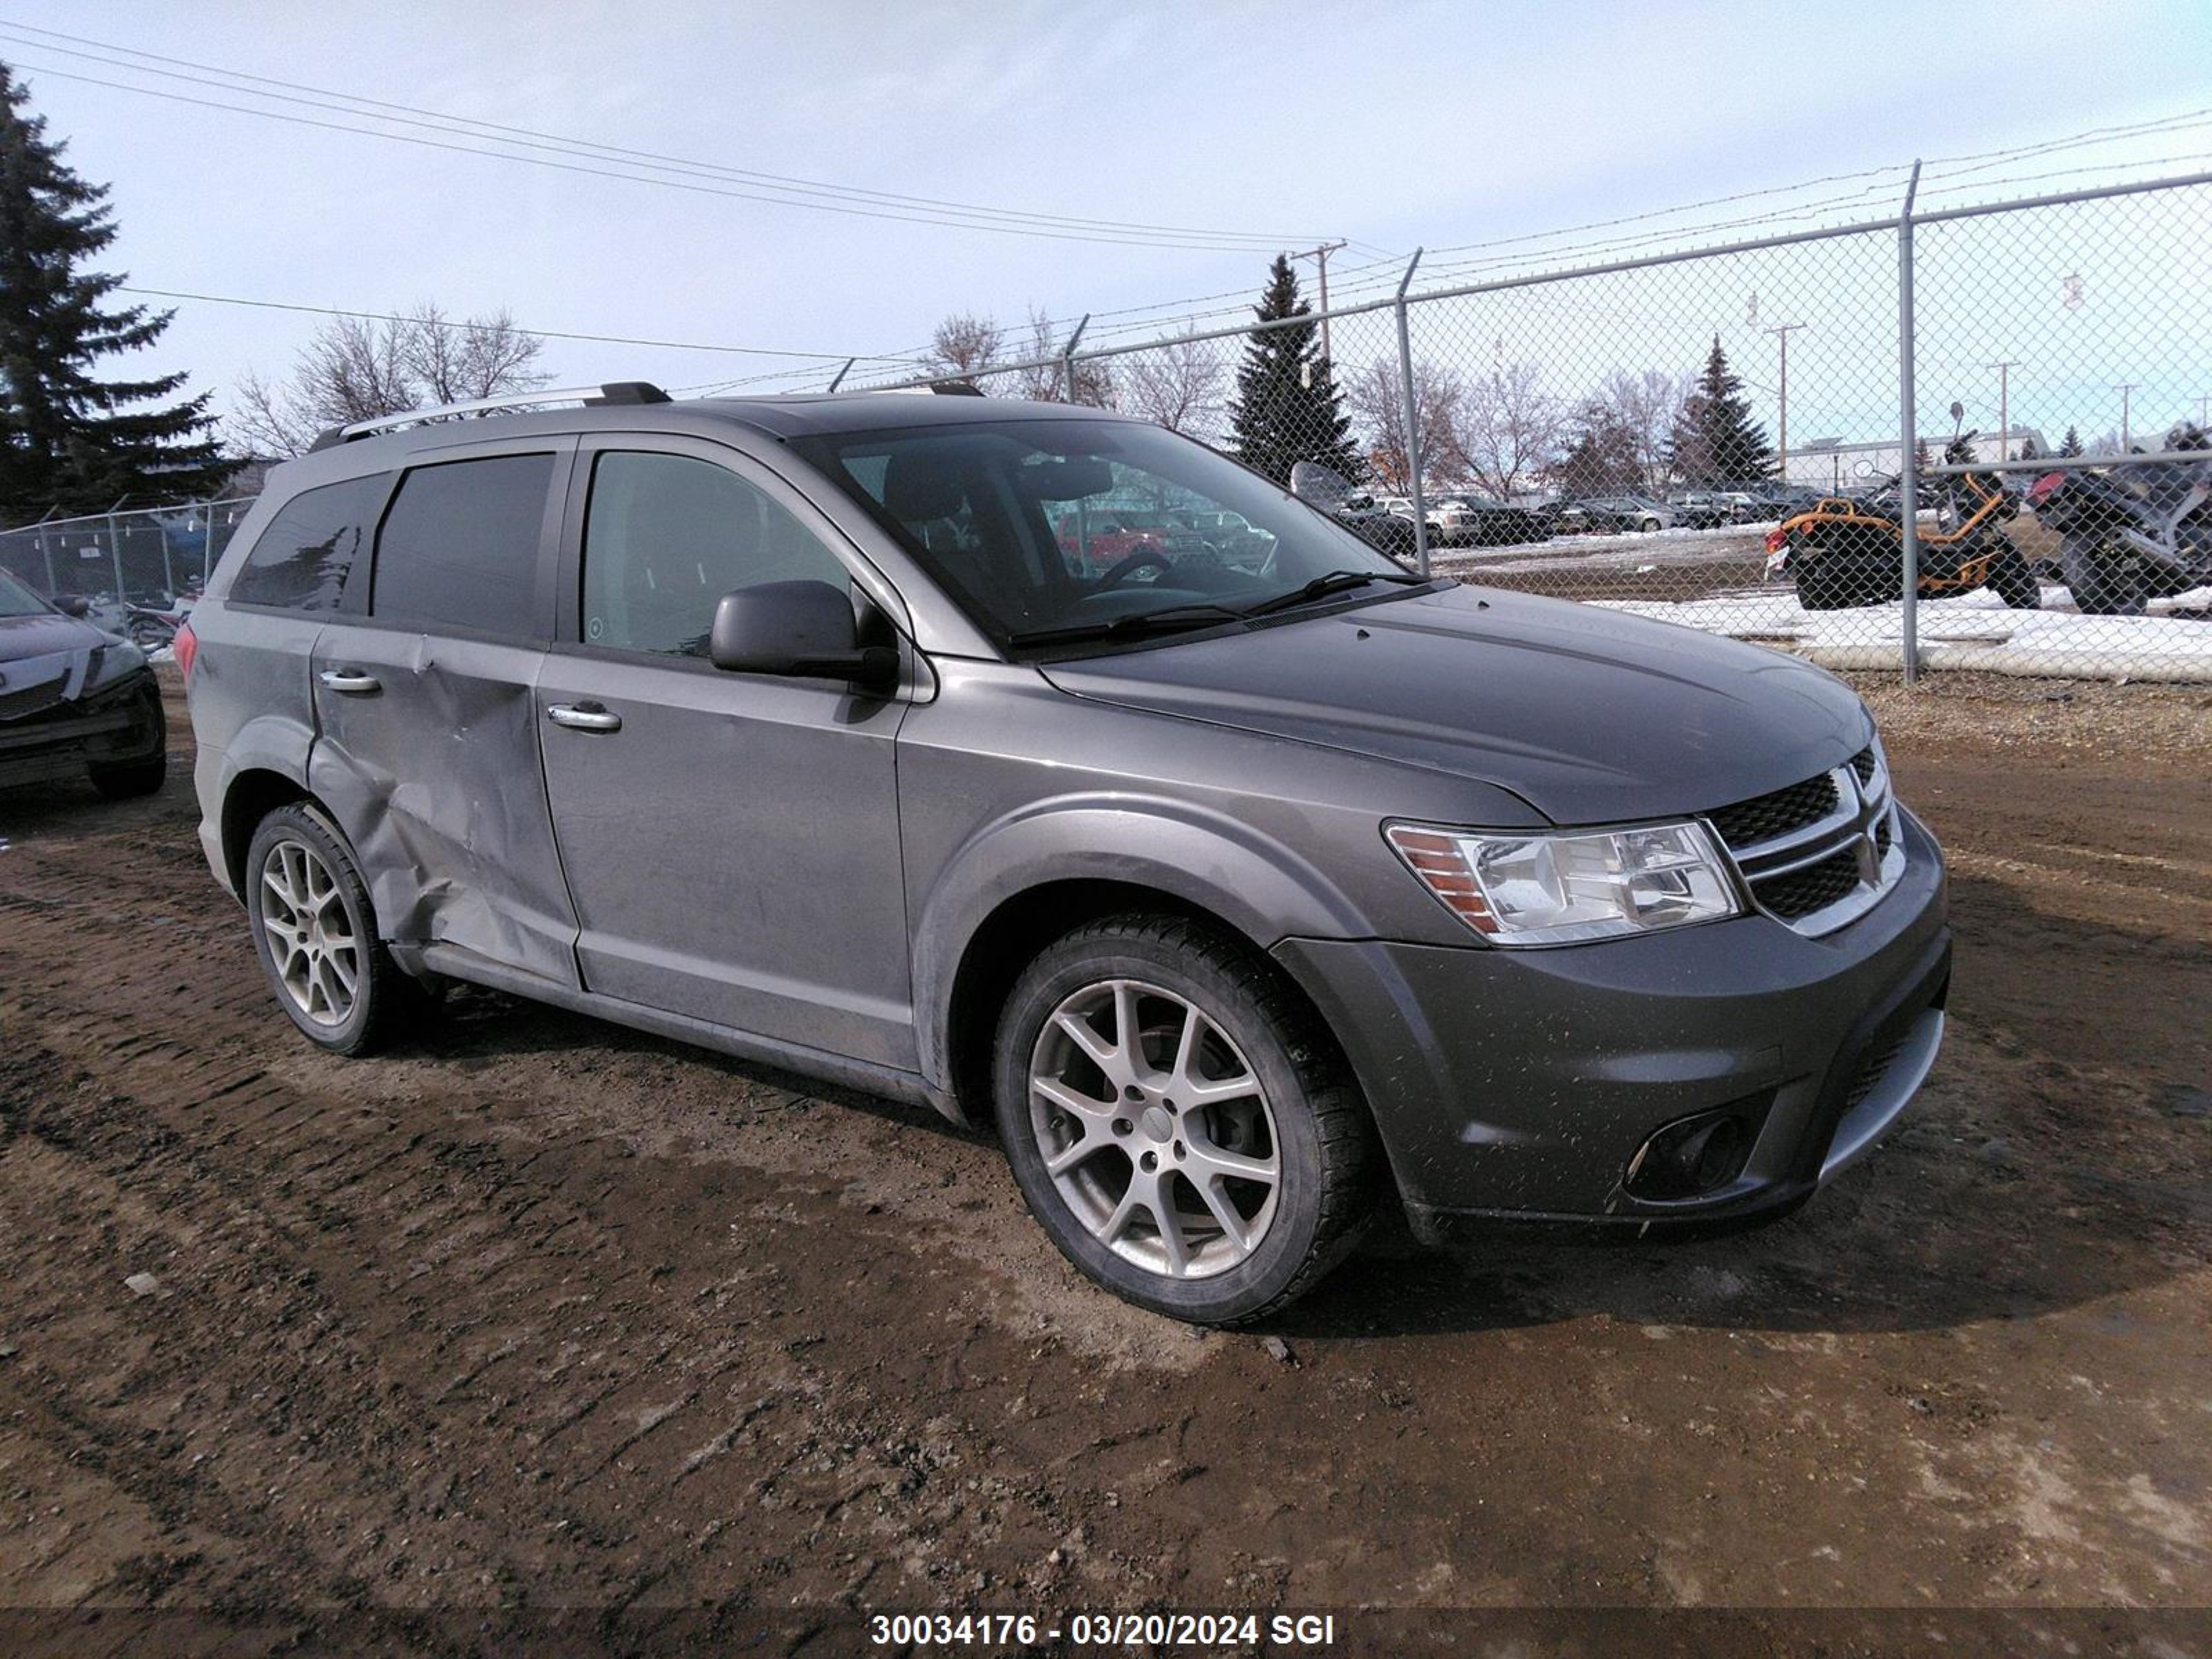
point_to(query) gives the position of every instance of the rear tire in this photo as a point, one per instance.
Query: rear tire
(2011, 580)
(1218, 1208)
(315, 931)
(1834, 583)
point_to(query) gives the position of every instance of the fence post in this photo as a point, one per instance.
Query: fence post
(1908, 484)
(207, 549)
(115, 556)
(1412, 422)
(1067, 359)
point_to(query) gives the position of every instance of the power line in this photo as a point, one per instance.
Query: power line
(1113, 241)
(534, 138)
(535, 333)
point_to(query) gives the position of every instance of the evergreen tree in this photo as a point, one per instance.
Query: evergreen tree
(1602, 458)
(2072, 446)
(1287, 408)
(1715, 439)
(69, 439)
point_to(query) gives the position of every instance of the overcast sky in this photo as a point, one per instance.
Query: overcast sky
(1441, 125)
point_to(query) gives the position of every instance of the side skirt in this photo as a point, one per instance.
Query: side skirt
(457, 962)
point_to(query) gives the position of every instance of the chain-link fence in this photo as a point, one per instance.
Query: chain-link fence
(1718, 437)
(151, 558)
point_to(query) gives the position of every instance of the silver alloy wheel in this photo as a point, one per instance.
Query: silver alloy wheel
(1155, 1129)
(311, 940)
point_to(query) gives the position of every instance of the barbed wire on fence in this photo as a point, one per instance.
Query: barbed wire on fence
(1953, 434)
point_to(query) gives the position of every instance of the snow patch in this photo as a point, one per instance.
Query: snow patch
(1975, 631)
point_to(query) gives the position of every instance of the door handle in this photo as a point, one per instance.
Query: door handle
(351, 680)
(584, 717)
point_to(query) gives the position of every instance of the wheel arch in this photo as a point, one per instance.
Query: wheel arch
(251, 795)
(1024, 923)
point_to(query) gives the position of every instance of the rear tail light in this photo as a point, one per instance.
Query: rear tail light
(185, 647)
(1777, 539)
(2045, 488)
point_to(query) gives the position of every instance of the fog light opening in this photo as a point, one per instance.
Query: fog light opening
(1696, 1156)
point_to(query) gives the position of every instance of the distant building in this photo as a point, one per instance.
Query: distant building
(1831, 464)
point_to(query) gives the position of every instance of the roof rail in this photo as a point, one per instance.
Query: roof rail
(613, 392)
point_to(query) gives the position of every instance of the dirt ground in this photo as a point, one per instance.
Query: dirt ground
(537, 1312)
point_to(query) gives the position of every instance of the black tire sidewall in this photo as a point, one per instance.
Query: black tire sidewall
(1258, 1281)
(303, 824)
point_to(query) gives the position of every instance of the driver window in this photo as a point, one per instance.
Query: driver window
(666, 536)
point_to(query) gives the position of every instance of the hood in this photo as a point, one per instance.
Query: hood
(1591, 715)
(52, 651)
(45, 634)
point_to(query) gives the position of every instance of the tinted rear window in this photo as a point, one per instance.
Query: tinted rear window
(460, 547)
(302, 560)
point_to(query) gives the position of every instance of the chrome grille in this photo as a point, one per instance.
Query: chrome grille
(1768, 816)
(1819, 853)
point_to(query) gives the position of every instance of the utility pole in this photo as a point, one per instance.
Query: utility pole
(2004, 405)
(1781, 333)
(1320, 257)
(2125, 391)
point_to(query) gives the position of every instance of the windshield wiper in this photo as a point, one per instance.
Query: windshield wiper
(1333, 581)
(1167, 618)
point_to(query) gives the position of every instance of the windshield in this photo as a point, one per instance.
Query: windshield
(1043, 527)
(17, 600)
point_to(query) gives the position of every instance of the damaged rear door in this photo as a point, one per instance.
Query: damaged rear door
(427, 748)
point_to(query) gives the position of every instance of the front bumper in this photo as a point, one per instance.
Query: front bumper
(119, 724)
(1520, 1084)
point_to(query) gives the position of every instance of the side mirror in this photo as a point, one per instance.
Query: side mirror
(73, 605)
(802, 630)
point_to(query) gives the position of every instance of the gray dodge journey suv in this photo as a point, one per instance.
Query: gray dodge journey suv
(1243, 883)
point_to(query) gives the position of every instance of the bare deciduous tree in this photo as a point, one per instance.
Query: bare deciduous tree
(357, 369)
(1044, 374)
(1509, 429)
(1177, 385)
(965, 344)
(1641, 409)
(1377, 396)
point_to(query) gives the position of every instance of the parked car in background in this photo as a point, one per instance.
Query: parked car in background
(1234, 537)
(1238, 903)
(1103, 539)
(1608, 514)
(1328, 491)
(1699, 512)
(1472, 521)
(74, 701)
(1703, 508)
(1401, 507)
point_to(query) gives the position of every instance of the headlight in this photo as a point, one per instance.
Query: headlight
(111, 662)
(1556, 890)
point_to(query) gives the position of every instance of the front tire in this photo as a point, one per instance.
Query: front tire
(2103, 586)
(315, 931)
(128, 779)
(1180, 1127)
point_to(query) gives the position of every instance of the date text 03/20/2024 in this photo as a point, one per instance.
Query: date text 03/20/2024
(1201, 1630)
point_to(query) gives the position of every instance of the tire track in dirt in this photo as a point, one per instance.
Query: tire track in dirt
(537, 1307)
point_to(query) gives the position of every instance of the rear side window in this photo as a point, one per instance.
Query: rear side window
(302, 560)
(460, 544)
(666, 536)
